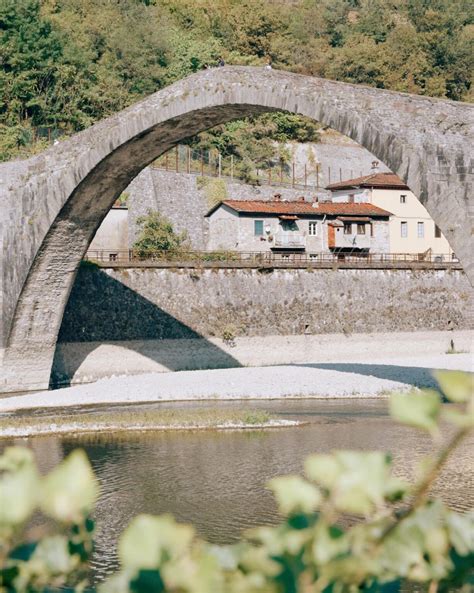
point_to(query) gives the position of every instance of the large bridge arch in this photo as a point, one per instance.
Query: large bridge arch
(52, 204)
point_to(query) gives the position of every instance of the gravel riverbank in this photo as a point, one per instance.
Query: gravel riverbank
(365, 377)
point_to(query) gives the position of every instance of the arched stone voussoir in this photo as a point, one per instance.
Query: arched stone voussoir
(52, 204)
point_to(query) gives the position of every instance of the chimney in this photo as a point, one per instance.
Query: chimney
(375, 166)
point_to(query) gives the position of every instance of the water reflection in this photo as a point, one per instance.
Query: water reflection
(216, 479)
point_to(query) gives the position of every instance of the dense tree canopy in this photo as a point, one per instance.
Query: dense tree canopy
(68, 63)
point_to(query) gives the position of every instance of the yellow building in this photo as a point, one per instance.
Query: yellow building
(412, 230)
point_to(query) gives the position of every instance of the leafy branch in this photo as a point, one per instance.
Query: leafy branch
(308, 551)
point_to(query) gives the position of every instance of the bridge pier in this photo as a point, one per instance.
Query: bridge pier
(27, 368)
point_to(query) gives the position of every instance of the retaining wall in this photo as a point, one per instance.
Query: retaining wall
(151, 303)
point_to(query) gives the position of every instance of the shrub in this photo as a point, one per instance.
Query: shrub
(229, 333)
(157, 237)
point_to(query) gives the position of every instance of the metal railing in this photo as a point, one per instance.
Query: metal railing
(131, 257)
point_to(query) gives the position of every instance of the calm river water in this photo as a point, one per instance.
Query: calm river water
(216, 480)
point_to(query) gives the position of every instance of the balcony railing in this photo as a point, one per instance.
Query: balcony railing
(290, 241)
(353, 240)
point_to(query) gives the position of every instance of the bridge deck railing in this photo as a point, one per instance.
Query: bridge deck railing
(131, 257)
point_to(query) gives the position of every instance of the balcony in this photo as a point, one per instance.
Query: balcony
(352, 241)
(290, 240)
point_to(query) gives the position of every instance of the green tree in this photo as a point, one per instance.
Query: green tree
(157, 236)
(69, 63)
(29, 53)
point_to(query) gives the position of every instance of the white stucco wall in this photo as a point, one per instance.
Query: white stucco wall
(411, 211)
(112, 235)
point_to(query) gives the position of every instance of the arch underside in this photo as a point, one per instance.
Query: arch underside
(105, 159)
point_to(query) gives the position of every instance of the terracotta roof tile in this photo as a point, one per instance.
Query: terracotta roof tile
(301, 208)
(385, 180)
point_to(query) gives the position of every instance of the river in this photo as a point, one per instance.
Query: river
(216, 479)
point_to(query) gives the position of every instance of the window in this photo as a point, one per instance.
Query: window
(404, 229)
(437, 232)
(361, 229)
(258, 228)
(420, 229)
(347, 228)
(313, 228)
(403, 199)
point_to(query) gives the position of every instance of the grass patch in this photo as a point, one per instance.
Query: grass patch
(130, 419)
(453, 350)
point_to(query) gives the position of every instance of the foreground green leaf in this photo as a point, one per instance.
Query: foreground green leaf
(457, 386)
(295, 495)
(69, 492)
(150, 541)
(420, 410)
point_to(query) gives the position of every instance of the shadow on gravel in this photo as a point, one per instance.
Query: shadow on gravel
(417, 376)
(102, 310)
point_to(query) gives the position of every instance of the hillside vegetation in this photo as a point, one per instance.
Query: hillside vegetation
(69, 63)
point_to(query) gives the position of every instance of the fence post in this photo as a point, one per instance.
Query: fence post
(329, 174)
(340, 174)
(166, 161)
(177, 159)
(202, 162)
(189, 159)
(220, 164)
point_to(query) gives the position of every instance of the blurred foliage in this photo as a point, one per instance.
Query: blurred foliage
(69, 63)
(402, 536)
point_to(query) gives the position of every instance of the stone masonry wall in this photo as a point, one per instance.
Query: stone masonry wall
(152, 303)
(168, 191)
(184, 200)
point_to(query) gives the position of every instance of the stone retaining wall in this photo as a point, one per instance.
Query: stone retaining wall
(151, 303)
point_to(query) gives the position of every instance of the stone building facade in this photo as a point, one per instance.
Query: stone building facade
(279, 226)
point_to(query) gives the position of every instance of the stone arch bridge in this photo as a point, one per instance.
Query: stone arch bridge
(52, 204)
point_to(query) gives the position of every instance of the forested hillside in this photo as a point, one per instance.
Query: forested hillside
(69, 63)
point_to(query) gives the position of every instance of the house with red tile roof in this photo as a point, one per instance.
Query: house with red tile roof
(300, 226)
(412, 230)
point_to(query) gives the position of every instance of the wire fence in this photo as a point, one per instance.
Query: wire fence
(269, 258)
(211, 163)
